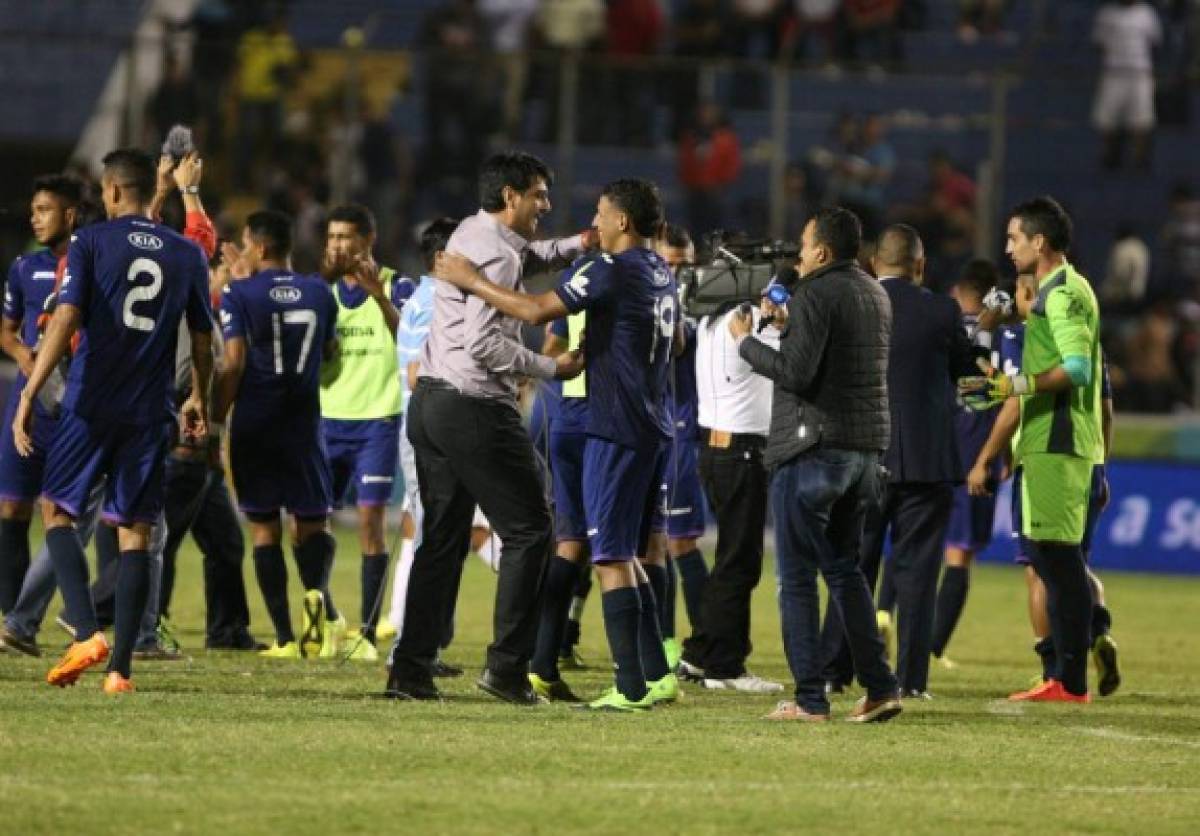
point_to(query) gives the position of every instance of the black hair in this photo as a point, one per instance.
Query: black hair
(840, 230)
(899, 245)
(640, 200)
(514, 169)
(356, 214)
(133, 169)
(979, 275)
(674, 235)
(1044, 216)
(274, 229)
(66, 187)
(434, 238)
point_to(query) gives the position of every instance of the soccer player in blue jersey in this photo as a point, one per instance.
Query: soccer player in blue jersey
(1008, 352)
(361, 406)
(630, 295)
(129, 283)
(970, 528)
(31, 278)
(278, 327)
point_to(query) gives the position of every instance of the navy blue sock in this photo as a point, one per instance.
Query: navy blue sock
(951, 598)
(271, 571)
(374, 576)
(650, 644)
(1044, 648)
(659, 578)
(133, 588)
(622, 614)
(14, 560)
(583, 587)
(1101, 621)
(314, 559)
(71, 573)
(557, 589)
(666, 605)
(693, 572)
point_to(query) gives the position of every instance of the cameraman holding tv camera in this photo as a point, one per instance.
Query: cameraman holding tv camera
(734, 418)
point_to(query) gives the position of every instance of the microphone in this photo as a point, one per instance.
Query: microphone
(779, 291)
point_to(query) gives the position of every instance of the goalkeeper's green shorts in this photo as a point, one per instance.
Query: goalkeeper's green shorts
(1054, 497)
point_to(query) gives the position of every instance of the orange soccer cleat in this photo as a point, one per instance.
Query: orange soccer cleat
(79, 657)
(1049, 691)
(114, 683)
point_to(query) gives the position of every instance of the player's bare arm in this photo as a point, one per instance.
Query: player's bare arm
(193, 414)
(228, 379)
(996, 445)
(535, 310)
(365, 271)
(55, 343)
(11, 344)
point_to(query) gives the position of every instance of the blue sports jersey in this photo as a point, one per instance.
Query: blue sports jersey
(687, 400)
(30, 281)
(286, 320)
(971, 427)
(567, 414)
(632, 309)
(133, 280)
(402, 289)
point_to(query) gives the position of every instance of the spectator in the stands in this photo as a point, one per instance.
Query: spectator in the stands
(1180, 244)
(176, 101)
(1152, 383)
(635, 31)
(814, 21)
(865, 174)
(976, 17)
(872, 36)
(564, 28)
(509, 23)
(701, 31)
(267, 61)
(1127, 31)
(709, 164)
(1128, 272)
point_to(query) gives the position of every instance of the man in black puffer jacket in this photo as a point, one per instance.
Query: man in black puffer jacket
(829, 426)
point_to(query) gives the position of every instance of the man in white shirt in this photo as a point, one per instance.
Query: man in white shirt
(735, 416)
(1127, 32)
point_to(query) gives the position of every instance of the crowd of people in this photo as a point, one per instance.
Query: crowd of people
(836, 401)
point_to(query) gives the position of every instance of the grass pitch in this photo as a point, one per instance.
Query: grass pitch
(229, 743)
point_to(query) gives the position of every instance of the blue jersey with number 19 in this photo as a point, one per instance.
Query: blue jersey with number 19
(286, 320)
(133, 280)
(632, 311)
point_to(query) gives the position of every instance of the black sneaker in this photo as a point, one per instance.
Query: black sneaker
(12, 641)
(158, 653)
(515, 691)
(444, 670)
(410, 689)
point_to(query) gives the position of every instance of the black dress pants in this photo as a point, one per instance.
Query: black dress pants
(472, 451)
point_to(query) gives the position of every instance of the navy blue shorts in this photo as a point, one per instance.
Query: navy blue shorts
(273, 472)
(685, 495)
(1094, 510)
(971, 521)
(622, 498)
(132, 456)
(21, 476)
(566, 470)
(365, 453)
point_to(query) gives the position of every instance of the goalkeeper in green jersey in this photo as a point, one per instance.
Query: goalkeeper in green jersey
(1060, 434)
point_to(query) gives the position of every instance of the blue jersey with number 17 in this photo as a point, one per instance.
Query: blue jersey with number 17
(133, 281)
(632, 311)
(286, 319)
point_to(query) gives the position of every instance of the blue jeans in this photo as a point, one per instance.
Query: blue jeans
(819, 500)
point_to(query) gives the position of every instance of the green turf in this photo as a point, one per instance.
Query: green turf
(229, 743)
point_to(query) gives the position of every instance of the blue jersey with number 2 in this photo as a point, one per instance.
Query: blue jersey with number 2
(133, 280)
(632, 311)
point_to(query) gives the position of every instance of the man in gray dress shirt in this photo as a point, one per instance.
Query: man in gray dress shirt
(470, 447)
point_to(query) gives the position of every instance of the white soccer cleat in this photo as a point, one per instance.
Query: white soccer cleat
(747, 683)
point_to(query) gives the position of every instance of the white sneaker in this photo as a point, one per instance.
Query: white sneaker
(747, 683)
(688, 672)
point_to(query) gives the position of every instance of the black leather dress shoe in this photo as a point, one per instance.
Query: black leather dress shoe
(513, 690)
(410, 689)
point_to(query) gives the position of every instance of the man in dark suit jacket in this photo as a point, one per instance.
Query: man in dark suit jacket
(929, 351)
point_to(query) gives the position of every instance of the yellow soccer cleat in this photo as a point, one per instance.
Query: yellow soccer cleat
(361, 650)
(335, 636)
(291, 650)
(665, 690)
(312, 624)
(385, 630)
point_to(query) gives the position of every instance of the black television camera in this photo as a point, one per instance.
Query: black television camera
(738, 270)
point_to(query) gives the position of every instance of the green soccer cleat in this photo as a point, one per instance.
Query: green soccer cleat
(571, 661)
(555, 691)
(291, 650)
(674, 651)
(1108, 674)
(614, 700)
(335, 635)
(312, 624)
(167, 637)
(665, 690)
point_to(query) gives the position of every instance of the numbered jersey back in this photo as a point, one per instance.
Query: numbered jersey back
(286, 320)
(132, 280)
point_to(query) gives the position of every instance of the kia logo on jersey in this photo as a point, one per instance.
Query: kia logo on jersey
(145, 241)
(286, 295)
